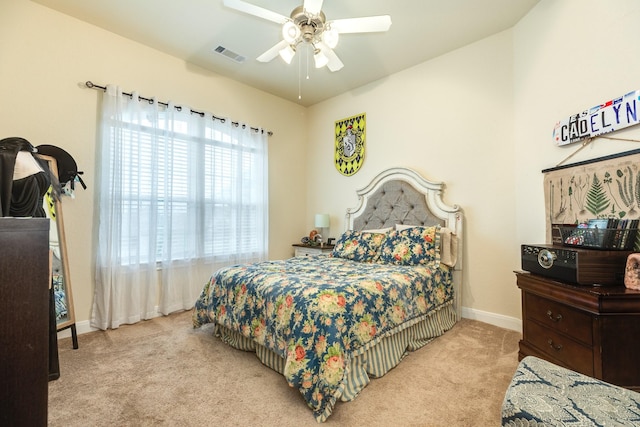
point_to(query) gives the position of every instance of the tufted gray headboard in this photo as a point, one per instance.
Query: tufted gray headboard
(395, 202)
(402, 196)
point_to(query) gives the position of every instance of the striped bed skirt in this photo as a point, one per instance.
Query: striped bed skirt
(371, 361)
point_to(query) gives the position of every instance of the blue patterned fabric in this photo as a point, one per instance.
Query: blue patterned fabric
(411, 246)
(316, 312)
(59, 297)
(359, 246)
(544, 394)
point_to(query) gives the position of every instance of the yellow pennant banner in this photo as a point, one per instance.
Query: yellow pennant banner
(350, 135)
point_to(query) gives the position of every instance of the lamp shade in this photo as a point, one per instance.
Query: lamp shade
(287, 54)
(330, 38)
(320, 59)
(290, 32)
(322, 220)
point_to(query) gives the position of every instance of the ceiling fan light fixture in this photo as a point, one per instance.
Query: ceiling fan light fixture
(320, 59)
(307, 25)
(290, 32)
(330, 38)
(287, 54)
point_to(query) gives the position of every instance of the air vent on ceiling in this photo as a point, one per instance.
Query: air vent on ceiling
(229, 54)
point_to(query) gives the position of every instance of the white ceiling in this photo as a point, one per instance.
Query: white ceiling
(192, 29)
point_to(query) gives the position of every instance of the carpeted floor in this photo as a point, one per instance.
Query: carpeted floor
(163, 372)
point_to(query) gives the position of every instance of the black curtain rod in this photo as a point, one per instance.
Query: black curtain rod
(598, 159)
(91, 85)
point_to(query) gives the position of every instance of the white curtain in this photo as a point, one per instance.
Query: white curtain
(180, 194)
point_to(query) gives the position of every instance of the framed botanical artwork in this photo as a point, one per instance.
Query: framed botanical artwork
(606, 188)
(350, 135)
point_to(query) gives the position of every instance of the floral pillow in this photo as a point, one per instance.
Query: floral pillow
(411, 246)
(359, 246)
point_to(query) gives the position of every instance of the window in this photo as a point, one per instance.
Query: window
(187, 186)
(180, 194)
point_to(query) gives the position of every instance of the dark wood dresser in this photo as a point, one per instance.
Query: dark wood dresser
(594, 330)
(24, 321)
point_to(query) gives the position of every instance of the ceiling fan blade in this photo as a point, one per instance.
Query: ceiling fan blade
(312, 6)
(273, 52)
(334, 63)
(367, 24)
(254, 10)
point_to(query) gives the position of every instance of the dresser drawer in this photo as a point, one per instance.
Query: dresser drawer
(590, 329)
(557, 346)
(558, 317)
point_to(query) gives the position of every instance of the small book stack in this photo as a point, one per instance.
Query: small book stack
(622, 233)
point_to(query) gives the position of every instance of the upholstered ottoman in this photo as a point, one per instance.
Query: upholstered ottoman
(544, 394)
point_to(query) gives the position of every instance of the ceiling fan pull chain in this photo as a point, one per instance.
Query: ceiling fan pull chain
(299, 79)
(307, 61)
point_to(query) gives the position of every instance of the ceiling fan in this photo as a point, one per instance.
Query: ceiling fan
(307, 24)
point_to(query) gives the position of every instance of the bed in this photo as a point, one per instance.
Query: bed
(330, 323)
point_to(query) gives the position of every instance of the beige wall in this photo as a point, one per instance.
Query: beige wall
(570, 55)
(43, 57)
(451, 119)
(479, 118)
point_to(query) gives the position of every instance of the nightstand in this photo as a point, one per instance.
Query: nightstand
(306, 250)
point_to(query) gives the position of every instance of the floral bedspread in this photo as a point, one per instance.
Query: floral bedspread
(317, 311)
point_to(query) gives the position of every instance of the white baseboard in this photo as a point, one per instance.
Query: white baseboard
(85, 326)
(500, 320)
(81, 328)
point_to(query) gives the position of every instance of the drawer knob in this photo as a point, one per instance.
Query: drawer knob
(556, 347)
(553, 318)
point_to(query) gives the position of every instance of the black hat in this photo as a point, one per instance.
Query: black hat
(67, 167)
(15, 144)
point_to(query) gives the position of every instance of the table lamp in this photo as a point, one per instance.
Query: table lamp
(322, 224)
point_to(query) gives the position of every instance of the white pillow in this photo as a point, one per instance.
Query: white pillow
(401, 227)
(378, 230)
(448, 247)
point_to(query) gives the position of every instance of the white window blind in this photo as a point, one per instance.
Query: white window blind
(188, 186)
